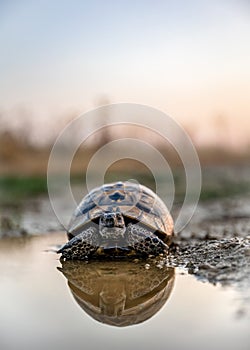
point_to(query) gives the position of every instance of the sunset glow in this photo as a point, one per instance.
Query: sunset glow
(189, 59)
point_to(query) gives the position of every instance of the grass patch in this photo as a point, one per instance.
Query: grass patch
(213, 186)
(19, 187)
(226, 190)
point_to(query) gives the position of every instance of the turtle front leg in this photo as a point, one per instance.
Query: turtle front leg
(144, 242)
(81, 246)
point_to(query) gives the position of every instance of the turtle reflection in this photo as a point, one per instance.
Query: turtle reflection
(119, 293)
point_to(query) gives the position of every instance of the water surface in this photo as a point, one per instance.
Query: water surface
(39, 310)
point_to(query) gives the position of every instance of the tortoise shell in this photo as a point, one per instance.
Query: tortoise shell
(136, 202)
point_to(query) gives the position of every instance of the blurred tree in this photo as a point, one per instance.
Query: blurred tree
(103, 136)
(222, 134)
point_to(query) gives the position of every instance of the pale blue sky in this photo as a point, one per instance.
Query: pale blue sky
(188, 58)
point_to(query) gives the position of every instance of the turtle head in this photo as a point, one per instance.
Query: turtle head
(112, 225)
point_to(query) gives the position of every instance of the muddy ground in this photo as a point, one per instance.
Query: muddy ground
(215, 246)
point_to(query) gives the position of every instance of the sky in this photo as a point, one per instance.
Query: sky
(190, 59)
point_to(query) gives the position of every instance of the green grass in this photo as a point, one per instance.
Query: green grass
(18, 187)
(226, 190)
(15, 188)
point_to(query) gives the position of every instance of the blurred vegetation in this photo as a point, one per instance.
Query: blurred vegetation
(14, 188)
(23, 169)
(228, 189)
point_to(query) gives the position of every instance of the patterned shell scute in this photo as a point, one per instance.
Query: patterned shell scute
(131, 199)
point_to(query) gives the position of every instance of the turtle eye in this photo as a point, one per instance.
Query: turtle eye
(119, 217)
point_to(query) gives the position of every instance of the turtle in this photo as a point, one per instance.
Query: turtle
(120, 219)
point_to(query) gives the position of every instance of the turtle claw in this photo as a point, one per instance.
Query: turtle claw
(144, 242)
(81, 246)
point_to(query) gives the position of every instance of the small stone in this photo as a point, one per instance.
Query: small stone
(160, 266)
(247, 251)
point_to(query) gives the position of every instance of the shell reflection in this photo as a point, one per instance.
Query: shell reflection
(119, 293)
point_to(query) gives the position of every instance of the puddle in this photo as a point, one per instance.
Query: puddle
(119, 293)
(92, 306)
